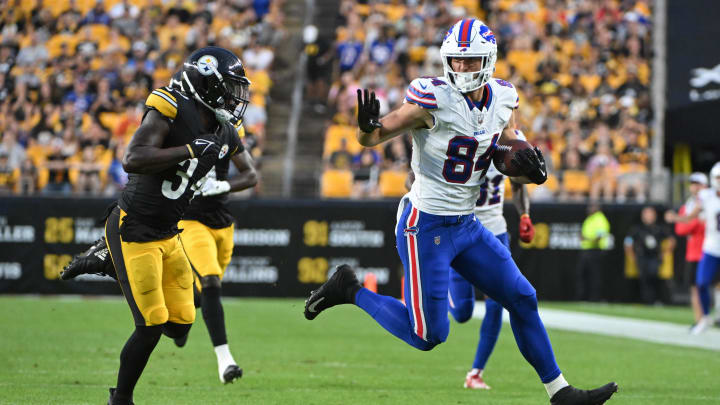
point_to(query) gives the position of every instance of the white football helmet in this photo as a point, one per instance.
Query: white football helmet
(469, 38)
(715, 176)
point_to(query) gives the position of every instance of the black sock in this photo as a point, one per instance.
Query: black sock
(214, 316)
(134, 357)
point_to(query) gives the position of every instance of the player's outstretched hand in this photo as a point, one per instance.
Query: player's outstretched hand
(527, 230)
(368, 111)
(532, 164)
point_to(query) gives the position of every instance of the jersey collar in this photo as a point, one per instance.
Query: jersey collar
(484, 103)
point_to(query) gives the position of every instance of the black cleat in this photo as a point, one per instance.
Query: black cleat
(339, 289)
(231, 373)
(114, 400)
(180, 342)
(573, 396)
(95, 260)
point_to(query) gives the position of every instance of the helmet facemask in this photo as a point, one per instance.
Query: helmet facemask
(237, 97)
(468, 81)
(227, 96)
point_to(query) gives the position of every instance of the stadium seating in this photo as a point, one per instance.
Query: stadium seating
(134, 49)
(336, 184)
(392, 183)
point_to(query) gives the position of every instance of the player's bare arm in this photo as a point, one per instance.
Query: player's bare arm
(247, 175)
(672, 216)
(145, 155)
(373, 130)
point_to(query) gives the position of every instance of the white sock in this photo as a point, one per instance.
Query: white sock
(717, 303)
(556, 385)
(224, 358)
(477, 371)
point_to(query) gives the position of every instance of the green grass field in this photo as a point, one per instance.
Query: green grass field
(65, 351)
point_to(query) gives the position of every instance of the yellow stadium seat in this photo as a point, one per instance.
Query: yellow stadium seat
(43, 177)
(260, 80)
(392, 183)
(472, 7)
(336, 183)
(333, 136)
(54, 44)
(110, 120)
(590, 82)
(525, 62)
(99, 31)
(576, 181)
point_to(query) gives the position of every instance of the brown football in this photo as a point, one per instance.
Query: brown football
(502, 158)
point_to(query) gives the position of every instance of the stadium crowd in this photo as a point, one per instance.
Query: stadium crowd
(581, 68)
(74, 75)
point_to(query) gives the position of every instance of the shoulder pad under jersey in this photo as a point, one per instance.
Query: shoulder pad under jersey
(506, 97)
(423, 92)
(163, 100)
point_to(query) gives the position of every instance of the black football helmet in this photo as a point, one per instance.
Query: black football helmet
(216, 78)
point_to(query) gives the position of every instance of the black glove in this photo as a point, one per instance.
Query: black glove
(205, 145)
(368, 111)
(532, 164)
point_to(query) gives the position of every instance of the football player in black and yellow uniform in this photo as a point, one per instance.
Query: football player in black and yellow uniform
(207, 238)
(181, 138)
(208, 241)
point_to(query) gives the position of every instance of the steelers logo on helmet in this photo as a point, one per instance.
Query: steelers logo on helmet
(205, 65)
(223, 151)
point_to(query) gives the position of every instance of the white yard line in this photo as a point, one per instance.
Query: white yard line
(650, 331)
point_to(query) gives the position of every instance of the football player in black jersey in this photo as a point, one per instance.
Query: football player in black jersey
(183, 135)
(207, 238)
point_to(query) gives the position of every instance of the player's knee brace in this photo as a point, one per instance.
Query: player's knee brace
(186, 312)
(523, 299)
(157, 315)
(175, 330)
(210, 282)
(463, 311)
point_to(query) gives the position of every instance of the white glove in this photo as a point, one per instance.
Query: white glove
(214, 187)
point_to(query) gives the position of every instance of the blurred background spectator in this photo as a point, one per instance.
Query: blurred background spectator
(694, 230)
(647, 243)
(595, 241)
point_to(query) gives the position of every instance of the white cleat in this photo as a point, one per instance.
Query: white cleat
(701, 326)
(474, 380)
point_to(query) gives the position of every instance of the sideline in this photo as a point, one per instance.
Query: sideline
(640, 329)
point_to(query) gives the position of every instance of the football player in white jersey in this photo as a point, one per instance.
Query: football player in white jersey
(456, 122)
(709, 205)
(461, 294)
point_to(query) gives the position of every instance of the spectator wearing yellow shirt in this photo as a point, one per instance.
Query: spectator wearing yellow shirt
(595, 240)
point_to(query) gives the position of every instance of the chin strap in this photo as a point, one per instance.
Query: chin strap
(220, 114)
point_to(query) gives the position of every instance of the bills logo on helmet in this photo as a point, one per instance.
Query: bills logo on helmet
(449, 32)
(206, 64)
(223, 151)
(487, 34)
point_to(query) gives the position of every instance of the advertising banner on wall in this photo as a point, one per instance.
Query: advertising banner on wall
(287, 248)
(693, 72)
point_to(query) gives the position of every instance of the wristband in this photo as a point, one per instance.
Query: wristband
(192, 154)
